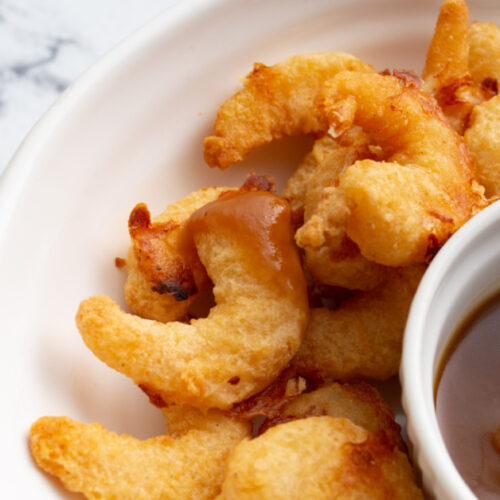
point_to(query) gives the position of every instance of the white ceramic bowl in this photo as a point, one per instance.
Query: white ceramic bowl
(464, 273)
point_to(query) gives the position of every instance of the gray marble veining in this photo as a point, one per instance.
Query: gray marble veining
(46, 44)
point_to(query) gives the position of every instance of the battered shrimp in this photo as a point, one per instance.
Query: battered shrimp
(461, 71)
(163, 279)
(164, 276)
(320, 457)
(244, 240)
(276, 101)
(484, 52)
(483, 139)
(482, 136)
(400, 211)
(447, 56)
(359, 402)
(455, 70)
(363, 337)
(403, 209)
(339, 441)
(330, 256)
(188, 463)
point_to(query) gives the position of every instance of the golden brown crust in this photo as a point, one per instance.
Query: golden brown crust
(483, 139)
(101, 464)
(164, 273)
(484, 51)
(358, 402)
(427, 170)
(330, 256)
(245, 243)
(374, 469)
(320, 457)
(447, 56)
(275, 101)
(269, 402)
(363, 337)
(459, 98)
(462, 68)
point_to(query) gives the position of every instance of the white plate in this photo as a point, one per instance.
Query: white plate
(130, 130)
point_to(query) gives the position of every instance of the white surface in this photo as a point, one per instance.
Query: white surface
(130, 130)
(463, 274)
(46, 44)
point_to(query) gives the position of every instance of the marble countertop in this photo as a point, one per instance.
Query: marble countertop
(46, 44)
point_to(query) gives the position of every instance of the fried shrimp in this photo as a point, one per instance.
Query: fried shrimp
(363, 337)
(482, 135)
(88, 459)
(446, 72)
(338, 441)
(360, 403)
(320, 457)
(399, 211)
(245, 242)
(330, 256)
(484, 52)
(460, 69)
(483, 139)
(322, 167)
(163, 277)
(276, 101)
(462, 72)
(448, 53)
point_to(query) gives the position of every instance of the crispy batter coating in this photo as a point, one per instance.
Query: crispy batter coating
(103, 465)
(484, 51)
(276, 101)
(459, 98)
(405, 207)
(399, 213)
(363, 337)
(181, 419)
(360, 403)
(322, 458)
(164, 274)
(456, 71)
(483, 139)
(308, 178)
(322, 167)
(163, 277)
(330, 256)
(447, 56)
(245, 242)
(482, 135)
(269, 402)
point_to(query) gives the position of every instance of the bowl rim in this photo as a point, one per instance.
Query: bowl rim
(429, 448)
(17, 171)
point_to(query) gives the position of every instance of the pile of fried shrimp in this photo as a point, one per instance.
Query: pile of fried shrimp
(269, 394)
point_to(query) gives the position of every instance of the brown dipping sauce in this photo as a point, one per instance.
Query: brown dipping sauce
(261, 223)
(467, 394)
